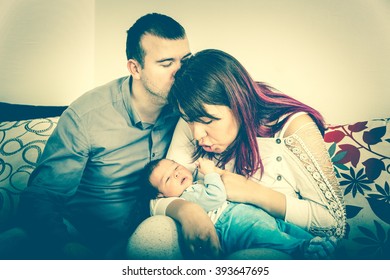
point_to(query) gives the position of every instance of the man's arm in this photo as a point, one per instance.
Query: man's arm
(54, 180)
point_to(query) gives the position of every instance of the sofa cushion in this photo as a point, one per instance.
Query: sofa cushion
(21, 144)
(361, 155)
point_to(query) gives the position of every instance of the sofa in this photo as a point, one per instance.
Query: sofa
(359, 150)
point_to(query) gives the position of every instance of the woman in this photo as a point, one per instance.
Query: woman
(271, 143)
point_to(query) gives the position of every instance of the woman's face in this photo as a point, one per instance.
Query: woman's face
(215, 136)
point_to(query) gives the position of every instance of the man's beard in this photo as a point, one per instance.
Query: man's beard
(157, 97)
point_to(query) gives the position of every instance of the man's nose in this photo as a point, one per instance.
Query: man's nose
(176, 68)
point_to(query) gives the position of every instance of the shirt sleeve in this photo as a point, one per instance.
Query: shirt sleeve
(55, 179)
(182, 146)
(319, 206)
(159, 206)
(210, 195)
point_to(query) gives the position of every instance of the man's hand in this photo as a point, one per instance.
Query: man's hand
(199, 233)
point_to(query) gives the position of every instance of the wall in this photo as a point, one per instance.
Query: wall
(333, 55)
(46, 50)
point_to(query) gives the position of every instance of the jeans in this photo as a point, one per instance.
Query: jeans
(244, 226)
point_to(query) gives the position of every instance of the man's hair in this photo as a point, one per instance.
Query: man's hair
(155, 24)
(149, 191)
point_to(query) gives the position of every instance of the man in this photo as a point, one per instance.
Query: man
(82, 199)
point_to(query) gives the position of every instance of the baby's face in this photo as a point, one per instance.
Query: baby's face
(171, 178)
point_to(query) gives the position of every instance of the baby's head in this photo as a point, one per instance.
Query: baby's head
(167, 178)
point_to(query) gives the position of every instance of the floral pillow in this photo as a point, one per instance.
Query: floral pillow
(21, 145)
(361, 155)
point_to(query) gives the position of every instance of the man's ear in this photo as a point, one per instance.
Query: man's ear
(134, 68)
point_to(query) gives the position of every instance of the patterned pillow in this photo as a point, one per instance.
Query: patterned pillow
(21, 145)
(361, 155)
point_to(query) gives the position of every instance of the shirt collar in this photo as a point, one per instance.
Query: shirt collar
(166, 115)
(126, 95)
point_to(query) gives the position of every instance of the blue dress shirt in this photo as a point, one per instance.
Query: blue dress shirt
(90, 168)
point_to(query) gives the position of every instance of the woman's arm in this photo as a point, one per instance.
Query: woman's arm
(199, 232)
(241, 189)
(322, 200)
(319, 206)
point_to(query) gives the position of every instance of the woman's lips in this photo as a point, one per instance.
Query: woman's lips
(207, 148)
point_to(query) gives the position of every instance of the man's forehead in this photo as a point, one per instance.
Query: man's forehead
(158, 48)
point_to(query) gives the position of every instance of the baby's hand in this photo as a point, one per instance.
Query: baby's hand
(205, 166)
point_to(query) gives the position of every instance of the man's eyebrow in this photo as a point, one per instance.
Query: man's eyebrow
(172, 59)
(165, 59)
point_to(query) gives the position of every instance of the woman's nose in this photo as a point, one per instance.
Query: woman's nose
(198, 132)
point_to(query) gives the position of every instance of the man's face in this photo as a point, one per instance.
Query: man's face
(162, 59)
(170, 178)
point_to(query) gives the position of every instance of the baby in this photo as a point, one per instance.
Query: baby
(238, 225)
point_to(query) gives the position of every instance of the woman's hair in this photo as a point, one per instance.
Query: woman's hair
(214, 77)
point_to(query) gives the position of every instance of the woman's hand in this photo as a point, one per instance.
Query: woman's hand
(200, 236)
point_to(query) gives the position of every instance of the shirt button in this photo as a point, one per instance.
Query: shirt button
(153, 155)
(279, 158)
(279, 178)
(278, 141)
